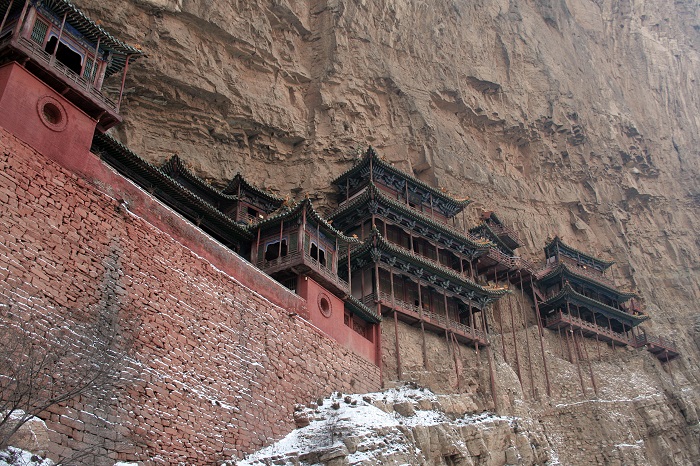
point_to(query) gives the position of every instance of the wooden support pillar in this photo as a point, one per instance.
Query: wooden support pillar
(561, 344)
(458, 360)
(279, 247)
(527, 336)
(492, 376)
(585, 354)
(254, 254)
(497, 305)
(20, 21)
(349, 272)
(612, 339)
(447, 316)
(540, 332)
(515, 341)
(396, 326)
(422, 327)
(476, 339)
(577, 352)
(7, 13)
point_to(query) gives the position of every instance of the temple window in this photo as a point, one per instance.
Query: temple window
(72, 59)
(273, 250)
(318, 254)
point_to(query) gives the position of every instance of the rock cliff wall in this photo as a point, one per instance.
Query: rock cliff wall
(577, 118)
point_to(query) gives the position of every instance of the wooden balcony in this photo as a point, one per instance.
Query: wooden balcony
(588, 329)
(509, 236)
(75, 88)
(435, 322)
(663, 349)
(302, 262)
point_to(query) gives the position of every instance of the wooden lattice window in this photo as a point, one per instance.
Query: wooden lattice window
(39, 32)
(89, 72)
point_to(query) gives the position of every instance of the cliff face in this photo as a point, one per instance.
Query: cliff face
(578, 118)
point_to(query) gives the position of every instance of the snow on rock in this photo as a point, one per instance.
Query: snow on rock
(402, 426)
(17, 457)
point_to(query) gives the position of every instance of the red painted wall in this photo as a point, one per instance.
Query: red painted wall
(22, 101)
(332, 322)
(219, 358)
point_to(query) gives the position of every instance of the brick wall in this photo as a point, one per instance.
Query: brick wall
(211, 369)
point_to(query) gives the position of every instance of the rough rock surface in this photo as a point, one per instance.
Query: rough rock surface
(406, 426)
(578, 118)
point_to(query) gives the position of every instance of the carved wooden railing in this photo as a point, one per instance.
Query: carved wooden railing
(584, 324)
(440, 319)
(35, 51)
(644, 339)
(304, 257)
(502, 230)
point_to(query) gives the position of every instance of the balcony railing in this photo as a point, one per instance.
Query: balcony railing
(652, 343)
(502, 230)
(36, 52)
(439, 320)
(581, 324)
(299, 257)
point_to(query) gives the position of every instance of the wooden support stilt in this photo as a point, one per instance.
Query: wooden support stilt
(612, 340)
(396, 327)
(561, 344)
(492, 375)
(540, 332)
(473, 326)
(527, 336)
(515, 341)
(585, 354)
(422, 327)
(577, 352)
(455, 344)
(500, 329)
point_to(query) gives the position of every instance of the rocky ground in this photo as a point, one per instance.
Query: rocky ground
(577, 118)
(405, 426)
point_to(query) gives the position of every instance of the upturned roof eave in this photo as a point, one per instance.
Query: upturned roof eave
(239, 179)
(176, 163)
(568, 292)
(110, 147)
(563, 269)
(93, 31)
(365, 312)
(445, 273)
(372, 154)
(557, 241)
(295, 212)
(418, 216)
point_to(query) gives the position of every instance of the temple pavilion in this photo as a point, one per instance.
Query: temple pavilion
(301, 250)
(501, 263)
(57, 43)
(577, 294)
(413, 263)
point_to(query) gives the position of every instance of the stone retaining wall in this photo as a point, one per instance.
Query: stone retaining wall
(212, 368)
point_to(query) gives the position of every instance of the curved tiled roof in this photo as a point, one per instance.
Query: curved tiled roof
(567, 291)
(552, 245)
(371, 154)
(563, 269)
(147, 175)
(377, 240)
(372, 190)
(92, 32)
(238, 180)
(175, 167)
(493, 235)
(363, 311)
(294, 212)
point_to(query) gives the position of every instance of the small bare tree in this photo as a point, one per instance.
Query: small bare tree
(51, 355)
